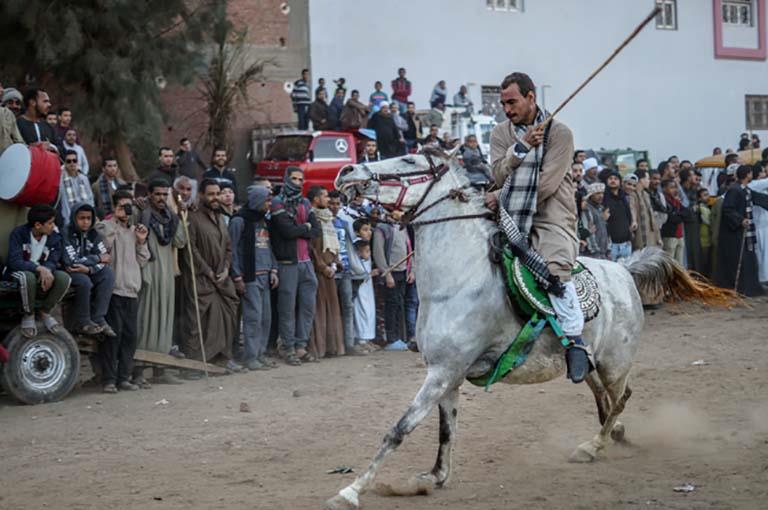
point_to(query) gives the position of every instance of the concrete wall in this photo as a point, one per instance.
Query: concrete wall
(666, 92)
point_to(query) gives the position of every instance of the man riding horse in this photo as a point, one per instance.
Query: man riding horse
(531, 160)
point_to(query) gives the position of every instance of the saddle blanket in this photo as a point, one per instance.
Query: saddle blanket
(534, 306)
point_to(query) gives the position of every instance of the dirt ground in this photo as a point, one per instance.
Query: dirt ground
(704, 425)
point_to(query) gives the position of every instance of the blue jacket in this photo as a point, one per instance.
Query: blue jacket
(84, 248)
(19, 252)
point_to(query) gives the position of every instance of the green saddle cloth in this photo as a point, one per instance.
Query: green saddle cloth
(535, 307)
(523, 288)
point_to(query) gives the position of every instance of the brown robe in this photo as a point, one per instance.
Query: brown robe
(554, 233)
(212, 251)
(327, 337)
(648, 231)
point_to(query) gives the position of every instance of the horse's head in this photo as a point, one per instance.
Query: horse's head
(397, 183)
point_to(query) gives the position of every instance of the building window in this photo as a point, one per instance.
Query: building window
(757, 112)
(505, 5)
(738, 13)
(667, 18)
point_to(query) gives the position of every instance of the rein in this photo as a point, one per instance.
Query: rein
(433, 175)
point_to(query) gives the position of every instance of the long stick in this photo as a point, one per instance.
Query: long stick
(393, 266)
(741, 257)
(634, 33)
(184, 215)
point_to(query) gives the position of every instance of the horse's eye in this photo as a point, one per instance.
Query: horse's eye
(410, 161)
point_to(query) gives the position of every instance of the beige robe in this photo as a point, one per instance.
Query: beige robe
(553, 233)
(648, 231)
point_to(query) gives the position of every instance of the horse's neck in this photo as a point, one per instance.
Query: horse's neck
(451, 252)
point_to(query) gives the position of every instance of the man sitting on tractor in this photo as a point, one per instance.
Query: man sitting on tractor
(34, 252)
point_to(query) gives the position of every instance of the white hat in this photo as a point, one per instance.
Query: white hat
(595, 187)
(384, 104)
(591, 163)
(731, 170)
(630, 177)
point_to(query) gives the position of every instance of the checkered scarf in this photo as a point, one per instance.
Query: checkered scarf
(106, 197)
(75, 190)
(518, 196)
(518, 205)
(750, 234)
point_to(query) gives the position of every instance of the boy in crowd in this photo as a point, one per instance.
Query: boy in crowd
(87, 261)
(594, 217)
(365, 304)
(34, 252)
(349, 269)
(390, 247)
(227, 200)
(127, 245)
(254, 271)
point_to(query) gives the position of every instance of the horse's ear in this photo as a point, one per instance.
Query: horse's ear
(453, 153)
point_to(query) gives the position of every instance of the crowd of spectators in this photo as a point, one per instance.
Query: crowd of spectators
(393, 117)
(704, 218)
(178, 264)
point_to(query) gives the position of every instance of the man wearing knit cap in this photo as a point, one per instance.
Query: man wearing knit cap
(9, 132)
(12, 99)
(254, 271)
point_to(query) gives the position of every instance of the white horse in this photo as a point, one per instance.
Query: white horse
(465, 322)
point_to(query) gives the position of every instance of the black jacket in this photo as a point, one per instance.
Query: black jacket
(284, 228)
(621, 216)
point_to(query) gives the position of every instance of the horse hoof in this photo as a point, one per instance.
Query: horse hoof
(617, 434)
(583, 454)
(343, 502)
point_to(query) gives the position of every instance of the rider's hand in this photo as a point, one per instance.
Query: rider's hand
(535, 136)
(492, 201)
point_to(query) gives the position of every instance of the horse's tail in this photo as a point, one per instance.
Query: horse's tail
(659, 277)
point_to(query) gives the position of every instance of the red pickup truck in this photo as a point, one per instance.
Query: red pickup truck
(320, 154)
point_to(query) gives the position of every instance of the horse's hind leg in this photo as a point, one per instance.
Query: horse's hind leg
(449, 410)
(431, 392)
(601, 396)
(586, 452)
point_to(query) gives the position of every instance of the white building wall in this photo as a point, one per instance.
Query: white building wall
(665, 92)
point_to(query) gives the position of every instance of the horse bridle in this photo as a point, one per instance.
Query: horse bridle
(432, 175)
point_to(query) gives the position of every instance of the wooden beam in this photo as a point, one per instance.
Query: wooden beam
(156, 358)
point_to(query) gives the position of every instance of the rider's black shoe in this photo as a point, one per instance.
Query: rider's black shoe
(577, 360)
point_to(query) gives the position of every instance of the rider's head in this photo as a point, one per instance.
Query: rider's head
(518, 98)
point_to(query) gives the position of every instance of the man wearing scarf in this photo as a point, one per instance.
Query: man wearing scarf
(216, 296)
(292, 227)
(327, 331)
(156, 299)
(538, 213)
(105, 186)
(736, 253)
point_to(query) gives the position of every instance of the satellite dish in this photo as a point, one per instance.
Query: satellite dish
(285, 8)
(288, 87)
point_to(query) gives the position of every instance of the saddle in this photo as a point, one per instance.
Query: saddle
(534, 306)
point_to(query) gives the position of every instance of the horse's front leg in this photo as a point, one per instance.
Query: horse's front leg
(431, 392)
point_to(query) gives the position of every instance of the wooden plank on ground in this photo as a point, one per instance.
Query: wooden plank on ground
(90, 345)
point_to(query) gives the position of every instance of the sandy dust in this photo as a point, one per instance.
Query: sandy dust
(705, 425)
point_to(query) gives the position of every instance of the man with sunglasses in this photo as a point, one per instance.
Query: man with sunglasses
(75, 188)
(532, 160)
